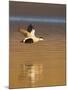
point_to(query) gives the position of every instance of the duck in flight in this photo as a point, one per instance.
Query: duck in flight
(30, 35)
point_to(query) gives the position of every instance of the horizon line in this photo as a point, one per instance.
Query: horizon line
(38, 19)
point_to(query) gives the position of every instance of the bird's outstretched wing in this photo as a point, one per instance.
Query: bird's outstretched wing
(29, 28)
(26, 33)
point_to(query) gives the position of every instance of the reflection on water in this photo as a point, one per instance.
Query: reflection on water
(31, 72)
(24, 68)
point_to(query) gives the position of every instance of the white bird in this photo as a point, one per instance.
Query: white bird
(30, 35)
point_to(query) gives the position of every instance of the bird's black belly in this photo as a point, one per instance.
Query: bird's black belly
(30, 40)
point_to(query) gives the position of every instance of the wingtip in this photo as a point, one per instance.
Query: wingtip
(30, 27)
